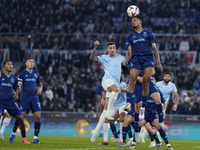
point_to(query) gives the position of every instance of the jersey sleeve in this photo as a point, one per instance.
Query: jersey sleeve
(123, 61)
(100, 59)
(38, 78)
(15, 85)
(122, 84)
(20, 77)
(174, 88)
(152, 38)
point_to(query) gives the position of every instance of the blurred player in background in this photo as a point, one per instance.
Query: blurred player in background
(110, 81)
(31, 86)
(167, 87)
(141, 47)
(8, 83)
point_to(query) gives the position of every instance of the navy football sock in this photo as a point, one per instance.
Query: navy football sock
(129, 131)
(163, 135)
(37, 128)
(160, 112)
(124, 131)
(16, 125)
(113, 129)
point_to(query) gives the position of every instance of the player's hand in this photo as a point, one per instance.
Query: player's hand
(126, 61)
(174, 108)
(16, 96)
(96, 44)
(159, 66)
(39, 91)
(140, 79)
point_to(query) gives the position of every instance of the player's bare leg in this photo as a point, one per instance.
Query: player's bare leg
(146, 74)
(20, 120)
(37, 125)
(16, 125)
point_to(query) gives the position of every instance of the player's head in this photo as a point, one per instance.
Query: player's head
(167, 77)
(111, 48)
(8, 65)
(136, 21)
(29, 63)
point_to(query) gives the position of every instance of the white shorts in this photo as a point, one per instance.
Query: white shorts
(106, 84)
(119, 109)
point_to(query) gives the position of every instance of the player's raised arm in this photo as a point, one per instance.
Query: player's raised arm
(157, 57)
(92, 55)
(129, 54)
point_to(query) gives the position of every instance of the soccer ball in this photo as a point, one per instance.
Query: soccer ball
(133, 11)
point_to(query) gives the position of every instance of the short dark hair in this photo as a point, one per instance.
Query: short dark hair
(138, 16)
(4, 63)
(29, 58)
(110, 43)
(167, 73)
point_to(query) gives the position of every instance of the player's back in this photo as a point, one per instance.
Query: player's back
(112, 67)
(7, 84)
(121, 97)
(29, 82)
(140, 42)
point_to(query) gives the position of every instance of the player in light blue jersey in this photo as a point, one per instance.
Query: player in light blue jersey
(31, 87)
(110, 81)
(8, 95)
(167, 87)
(141, 48)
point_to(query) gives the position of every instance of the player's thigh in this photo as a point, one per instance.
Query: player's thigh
(146, 73)
(156, 97)
(113, 111)
(122, 113)
(138, 107)
(25, 104)
(36, 106)
(155, 124)
(134, 73)
(128, 119)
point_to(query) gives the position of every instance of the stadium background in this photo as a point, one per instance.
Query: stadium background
(60, 36)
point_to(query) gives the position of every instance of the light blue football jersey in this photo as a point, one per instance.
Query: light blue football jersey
(121, 97)
(112, 67)
(166, 89)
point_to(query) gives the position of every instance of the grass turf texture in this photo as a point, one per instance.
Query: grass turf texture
(83, 143)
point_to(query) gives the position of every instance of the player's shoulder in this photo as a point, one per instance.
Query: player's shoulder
(171, 83)
(13, 76)
(159, 82)
(148, 31)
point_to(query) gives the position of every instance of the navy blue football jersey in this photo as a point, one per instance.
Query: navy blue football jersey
(7, 85)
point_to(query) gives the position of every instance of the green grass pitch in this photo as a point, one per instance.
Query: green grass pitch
(83, 143)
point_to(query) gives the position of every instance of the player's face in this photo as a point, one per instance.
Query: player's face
(166, 78)
(111, 49)
(30, 63)
(136, 22)
(8, 66)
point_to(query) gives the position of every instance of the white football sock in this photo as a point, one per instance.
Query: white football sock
(105, 132)
(101, 121)
(5, 124)
(112, 98)
(121, 133)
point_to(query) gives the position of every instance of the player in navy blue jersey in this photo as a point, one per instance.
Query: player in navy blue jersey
(31, 87)
(8, 83)
(141, 48)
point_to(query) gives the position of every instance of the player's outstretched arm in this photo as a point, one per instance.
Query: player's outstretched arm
(129, 54)
(157, 57)
(92, 55)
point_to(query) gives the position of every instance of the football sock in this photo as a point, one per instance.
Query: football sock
(136, 122)
(163, 135)
(105, 132)
(155, 137)
(113, 129)
(125, 130)
(16, 125)
(23, 134)
(128, 97)
(37, 128)
(5, 124)
(101, 121)
(160, 112)
(129, 131)
(112, 98)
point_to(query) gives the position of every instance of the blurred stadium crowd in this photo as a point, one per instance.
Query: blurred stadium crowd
(71, 81)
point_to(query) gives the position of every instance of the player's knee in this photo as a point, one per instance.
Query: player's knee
(38, 118)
